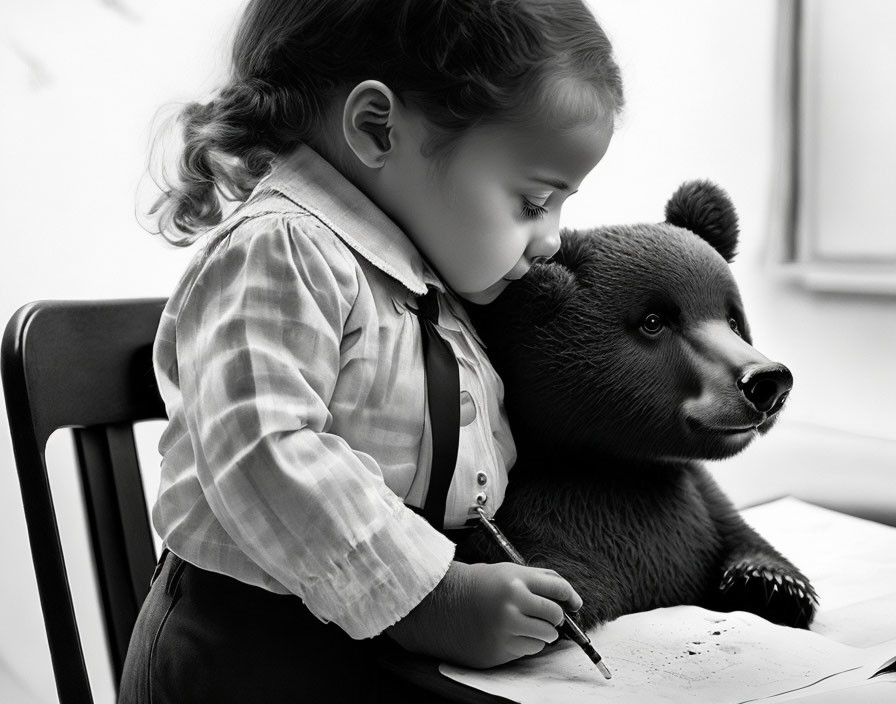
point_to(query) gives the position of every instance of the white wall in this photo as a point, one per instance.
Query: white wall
(80, 84)
(82, 80)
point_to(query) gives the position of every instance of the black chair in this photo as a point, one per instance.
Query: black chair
(87, 365)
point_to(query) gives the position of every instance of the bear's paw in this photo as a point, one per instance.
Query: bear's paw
(706, 210)
(778, 593)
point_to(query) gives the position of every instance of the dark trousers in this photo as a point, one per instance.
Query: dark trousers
(204, 637)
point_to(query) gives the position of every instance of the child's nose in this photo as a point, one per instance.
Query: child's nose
(544, 244)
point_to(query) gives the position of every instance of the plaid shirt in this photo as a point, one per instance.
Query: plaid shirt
(292, 373)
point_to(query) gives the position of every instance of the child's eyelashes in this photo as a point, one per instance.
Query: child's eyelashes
(532, 211)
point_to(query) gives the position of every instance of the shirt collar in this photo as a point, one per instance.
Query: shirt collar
(311, 182)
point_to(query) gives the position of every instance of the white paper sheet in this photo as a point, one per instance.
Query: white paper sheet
(680, 654)
(860, 686)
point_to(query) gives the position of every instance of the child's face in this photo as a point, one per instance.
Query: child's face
(492, 207)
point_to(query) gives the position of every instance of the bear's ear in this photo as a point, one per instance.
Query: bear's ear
(706, 210)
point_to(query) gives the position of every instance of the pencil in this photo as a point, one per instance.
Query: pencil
(568, 628)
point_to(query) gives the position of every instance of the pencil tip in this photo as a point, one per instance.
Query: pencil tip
(603, 670)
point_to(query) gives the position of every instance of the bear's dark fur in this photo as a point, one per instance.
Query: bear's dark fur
(627, 360)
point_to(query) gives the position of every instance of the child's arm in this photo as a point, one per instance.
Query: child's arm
(262, 339)
(484, 615)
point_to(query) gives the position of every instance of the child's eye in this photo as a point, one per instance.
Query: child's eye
(531, 210)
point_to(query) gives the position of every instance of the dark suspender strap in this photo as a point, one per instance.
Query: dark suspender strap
(443, 393)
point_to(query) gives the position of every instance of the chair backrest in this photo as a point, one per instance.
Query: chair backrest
(85, 365)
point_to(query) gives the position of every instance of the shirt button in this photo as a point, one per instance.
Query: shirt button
(482, 498)
(482, 479)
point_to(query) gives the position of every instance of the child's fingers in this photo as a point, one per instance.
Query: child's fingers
(527, 646)
(548, 613)
(538, 628)
(551, 585)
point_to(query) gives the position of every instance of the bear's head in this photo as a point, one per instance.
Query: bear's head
(632, 341)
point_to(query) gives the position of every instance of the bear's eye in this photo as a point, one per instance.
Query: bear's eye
(732, 323)
(652, 324)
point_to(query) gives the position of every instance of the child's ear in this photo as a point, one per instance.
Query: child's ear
(367, 121)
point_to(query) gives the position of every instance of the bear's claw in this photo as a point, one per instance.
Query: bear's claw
(770, 592)
(745, 570)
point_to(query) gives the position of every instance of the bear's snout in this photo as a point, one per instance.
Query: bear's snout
(766, 387)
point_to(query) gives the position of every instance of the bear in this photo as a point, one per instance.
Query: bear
(627, 362)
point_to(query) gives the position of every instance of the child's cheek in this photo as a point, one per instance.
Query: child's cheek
(488, 247)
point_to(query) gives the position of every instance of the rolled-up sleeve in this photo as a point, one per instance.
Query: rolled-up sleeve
(259, 339)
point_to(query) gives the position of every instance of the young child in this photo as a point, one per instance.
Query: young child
(379, 150)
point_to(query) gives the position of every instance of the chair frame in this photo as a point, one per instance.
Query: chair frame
(85, 365)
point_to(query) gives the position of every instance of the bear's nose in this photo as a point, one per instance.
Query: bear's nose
(766, 388)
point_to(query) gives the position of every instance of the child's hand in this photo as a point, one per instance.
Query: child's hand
(487, 614)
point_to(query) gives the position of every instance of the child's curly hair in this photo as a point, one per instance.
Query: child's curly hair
(459, 62)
